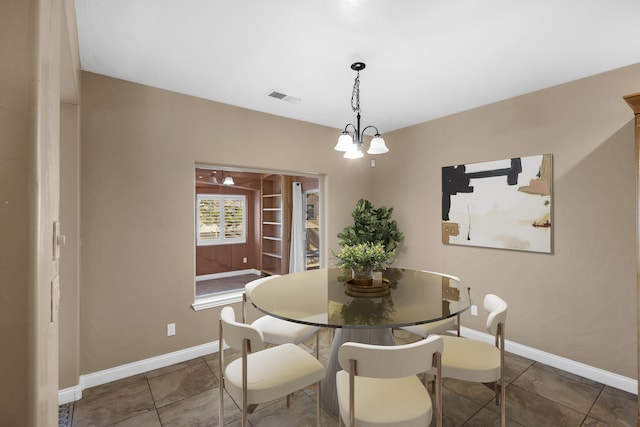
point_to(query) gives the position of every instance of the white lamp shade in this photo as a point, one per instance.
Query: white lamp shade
(377, 146)
(228, 181)
(353, 153)
(344, 142)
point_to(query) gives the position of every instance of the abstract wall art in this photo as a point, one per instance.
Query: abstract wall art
(503, 204)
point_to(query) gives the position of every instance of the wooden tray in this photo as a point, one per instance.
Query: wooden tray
(374, 290)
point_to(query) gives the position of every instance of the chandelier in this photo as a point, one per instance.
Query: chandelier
(351, 144)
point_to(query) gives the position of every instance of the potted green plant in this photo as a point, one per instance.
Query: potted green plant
(371, 224)
(363, 258)
(370, 242)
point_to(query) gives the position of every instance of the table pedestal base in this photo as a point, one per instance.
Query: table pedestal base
(329, 396)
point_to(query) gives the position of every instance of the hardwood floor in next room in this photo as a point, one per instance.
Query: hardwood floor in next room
(223, 284)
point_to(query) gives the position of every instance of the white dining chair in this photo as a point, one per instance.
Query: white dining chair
(274, 330)
(439, 327)
(262, 375)
(379, 384)
(477, 361)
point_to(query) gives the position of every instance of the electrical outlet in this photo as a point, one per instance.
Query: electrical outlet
(244, 260)
(474, 310)
(171, 329)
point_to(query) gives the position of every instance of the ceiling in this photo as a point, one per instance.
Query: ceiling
(425, 58)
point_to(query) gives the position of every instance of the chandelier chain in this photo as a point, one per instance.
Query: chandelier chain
(355, 95)
(350, 141)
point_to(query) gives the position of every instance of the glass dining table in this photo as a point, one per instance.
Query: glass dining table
(327, 298)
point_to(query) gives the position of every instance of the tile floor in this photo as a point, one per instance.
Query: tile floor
(186, 394)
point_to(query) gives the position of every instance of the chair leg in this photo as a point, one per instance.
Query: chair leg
(221, 364)
(318, 404)
(245, 417)
(429, 379)
(503, 405)
(437, 382)
(501, 401)
(318, 345)
(244, 307)
(352, 404)
(503, 386)
(288, 400)
(245, 405)
(221, 404)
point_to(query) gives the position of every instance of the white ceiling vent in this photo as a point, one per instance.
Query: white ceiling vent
(284, 97)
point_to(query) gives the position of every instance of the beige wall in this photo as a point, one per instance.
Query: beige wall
(578, 302)
(138, 268)
(16, 69)
(139, 148)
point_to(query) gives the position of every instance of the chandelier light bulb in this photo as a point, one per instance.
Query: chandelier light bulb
(354, 152)
(377, 146)
(344, 142)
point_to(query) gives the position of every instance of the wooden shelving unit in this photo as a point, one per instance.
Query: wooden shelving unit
(274, 246)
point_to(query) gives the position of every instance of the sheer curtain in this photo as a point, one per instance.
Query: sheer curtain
(297, 251)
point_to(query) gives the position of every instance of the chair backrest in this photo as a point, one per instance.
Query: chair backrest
(235, 332)
(390, 361)
(450, 276)
(497, 309)
(249, 287)
(453, 322)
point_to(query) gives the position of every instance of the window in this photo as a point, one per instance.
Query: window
(220, 219)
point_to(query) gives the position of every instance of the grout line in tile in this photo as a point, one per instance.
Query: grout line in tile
(587, 415)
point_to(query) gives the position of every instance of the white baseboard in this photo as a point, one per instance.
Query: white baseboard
(123, 371)
(68, 395)
(72, 394)
(586, 371)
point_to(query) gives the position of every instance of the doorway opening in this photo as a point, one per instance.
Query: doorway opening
(243, 226)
